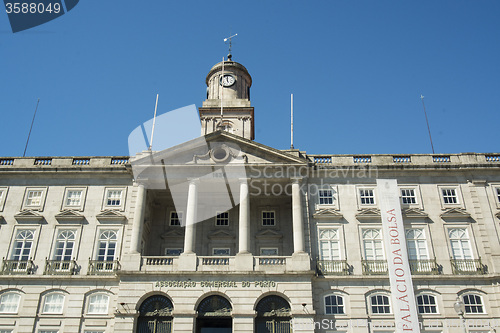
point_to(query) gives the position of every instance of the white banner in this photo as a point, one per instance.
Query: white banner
(403, 296)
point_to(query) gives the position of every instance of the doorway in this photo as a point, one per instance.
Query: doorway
(214, 315)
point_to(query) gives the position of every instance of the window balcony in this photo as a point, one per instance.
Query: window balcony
(60, 267)
(374, 267)
(467, 266)
(332, 267)
(428, 267)
(103, 267)
(18, 267)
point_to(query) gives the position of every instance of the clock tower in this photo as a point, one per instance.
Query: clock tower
(227, 107)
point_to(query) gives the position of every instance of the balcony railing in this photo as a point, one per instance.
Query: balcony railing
(60, 267)
(467, 266)
(271, 261)
(158, 261)
(332, 267)
(428, 266)
(21, 267)
(214, 261)
(103, 267)
(374, 267)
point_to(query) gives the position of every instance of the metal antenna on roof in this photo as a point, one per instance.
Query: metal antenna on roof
(229, 56)
(29, 134)
(154, 121)
(291, 125)
(427, 120)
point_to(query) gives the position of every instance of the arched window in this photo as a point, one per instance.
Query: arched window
(334, 304)
(98, 304)
(9, 302)
(53, 303)
(64, 245)
(273, 315)
(379, 304)
(155, 315)
(473, 303)
(426, 304)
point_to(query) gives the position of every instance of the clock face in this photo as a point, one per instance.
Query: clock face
(227, 80)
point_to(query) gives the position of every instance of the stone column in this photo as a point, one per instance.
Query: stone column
(189, 237)
(135, 242)
(298, 227)
(244, 221)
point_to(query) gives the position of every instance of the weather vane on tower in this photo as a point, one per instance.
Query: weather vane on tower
(229, 56)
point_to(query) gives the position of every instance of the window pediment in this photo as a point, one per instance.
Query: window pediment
(369, 214)
(269, 234)
(414, 213)
(173, 234)
(28, 216)
(221, 234)
(110, 215)
(69, 215)
(327, 213)
(455, 214)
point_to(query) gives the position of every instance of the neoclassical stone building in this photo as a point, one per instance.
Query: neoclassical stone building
(224, 234)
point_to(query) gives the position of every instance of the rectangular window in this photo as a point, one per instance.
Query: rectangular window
(107, 245)
(326, 197)
(268, 218)
(48, 331)
(497, 191)
(114, 198)
(173, 252)
(329, 245)
(408, 196)
(449, 195)
(221, 252)
(175, 218)
(268, 251)
(34, 198)
(74, 198)
(366, 196)
(222, 219)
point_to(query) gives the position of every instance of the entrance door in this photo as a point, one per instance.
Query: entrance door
(214, 315)
(273, 315)
(214, 325)
(155, 315)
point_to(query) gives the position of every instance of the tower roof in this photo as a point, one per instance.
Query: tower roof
(228, 64)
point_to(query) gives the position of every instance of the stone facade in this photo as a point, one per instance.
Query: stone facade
(91, 245)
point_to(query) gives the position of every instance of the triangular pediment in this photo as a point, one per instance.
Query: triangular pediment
(221, 234)
(498, 215)
(327, 213)
(203, 150)
(69, 215)
(455, 213)
(369, 214)
(414, 213)
(175, 233)
(28, 216)
(110, 216)
(269, 234)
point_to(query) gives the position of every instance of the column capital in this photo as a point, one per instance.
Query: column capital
(194, 181)
(296, 180)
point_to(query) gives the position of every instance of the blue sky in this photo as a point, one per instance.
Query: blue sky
(356, 69)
